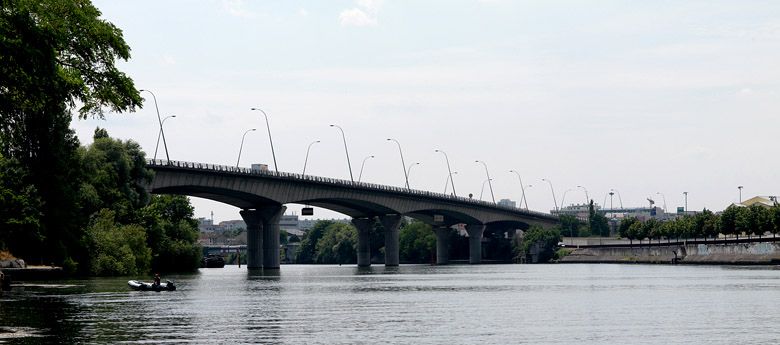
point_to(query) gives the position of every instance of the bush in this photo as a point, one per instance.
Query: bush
(117, 249)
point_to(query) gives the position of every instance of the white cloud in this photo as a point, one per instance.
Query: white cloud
(237, 8)
(365, 14)
(303, 12)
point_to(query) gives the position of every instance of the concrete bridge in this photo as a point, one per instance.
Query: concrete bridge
(262, 194)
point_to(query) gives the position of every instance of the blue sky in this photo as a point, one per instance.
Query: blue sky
(639, 96)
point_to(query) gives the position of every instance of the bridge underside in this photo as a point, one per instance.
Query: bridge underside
(262, 196)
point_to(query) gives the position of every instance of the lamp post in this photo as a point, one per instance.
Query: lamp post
(481, 191)
(587, 199)
(403, 164)
(611, 193)
(620, 199)
(450, 171)
(360, 176)
(159, 134)
(242, 145)
(740, 193)
(165, 145)
(522, 189)
(490, 184)
(446, 183)
(306, 160)
(410, 170)
(555, 203)
(344, 138)
(685, 194)
(528, 186)
(663, 197)
(564, 197)
(273, 154)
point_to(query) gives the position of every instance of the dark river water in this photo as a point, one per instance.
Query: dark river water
(485, 304)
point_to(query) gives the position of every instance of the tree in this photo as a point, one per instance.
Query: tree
(172, 233)
(56, 56)
(337, 245)
(625, 224)
(19, 211)
(635, 232)
(570, 225)
(117, 249)
(416, 242)
(306, 251)
(728, 220)
(545, 239)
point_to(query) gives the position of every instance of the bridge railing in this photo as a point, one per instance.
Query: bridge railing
(335, 182)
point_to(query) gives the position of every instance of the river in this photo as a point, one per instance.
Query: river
(415, 304)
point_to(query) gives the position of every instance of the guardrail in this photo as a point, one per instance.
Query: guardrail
(338, 182)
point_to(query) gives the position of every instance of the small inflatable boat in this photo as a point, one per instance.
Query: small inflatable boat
(142, 286)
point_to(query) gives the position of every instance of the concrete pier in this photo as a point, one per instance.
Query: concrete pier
(364, 227)
(475, 242)
(391, 222)
(442, 245)
(262, 236)
(254, 238)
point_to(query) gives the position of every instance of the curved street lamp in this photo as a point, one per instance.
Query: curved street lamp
(447, 182)
(587, 199)
(159, 134)
(620, 199)
(360, 176)
(306, 160)
(488, 180)
(483, 189)
(553, 193)
(344, 138)
(403, 164)
(450, 171)
(663, 197)
(242, 145)
(269, 137)
(564, 197)
(522, 189)
(165, 145)
(409, 171)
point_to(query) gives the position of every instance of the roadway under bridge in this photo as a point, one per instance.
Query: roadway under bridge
(262, 194)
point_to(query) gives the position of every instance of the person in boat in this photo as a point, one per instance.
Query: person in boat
(156, 279)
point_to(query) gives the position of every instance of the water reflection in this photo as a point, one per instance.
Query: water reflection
(421, 304)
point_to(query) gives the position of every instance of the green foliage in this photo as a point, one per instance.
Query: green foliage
(172, 233)
(625, 225)
(546, 239)
(305, 252)
(19, 211)
(337, 245)
(570, 225)
(117, 249)
(416, 242)
(56, 55)
(598, 223)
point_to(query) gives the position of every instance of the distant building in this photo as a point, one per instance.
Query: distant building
(259, 167)
(581, 211)
(507, 203)
(764, 201)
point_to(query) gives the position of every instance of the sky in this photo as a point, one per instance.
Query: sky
(649, 98)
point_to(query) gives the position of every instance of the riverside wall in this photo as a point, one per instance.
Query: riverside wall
(756, 253)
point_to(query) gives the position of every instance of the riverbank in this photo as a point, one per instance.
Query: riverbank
(748, 253)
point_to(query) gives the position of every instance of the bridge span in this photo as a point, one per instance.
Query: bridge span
(262, 194)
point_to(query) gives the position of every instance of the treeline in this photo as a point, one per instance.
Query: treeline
(62, 203)
(107, 224)
(329, 242)
(733, 221)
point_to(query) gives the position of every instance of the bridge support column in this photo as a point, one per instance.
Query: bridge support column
(364, 226)
(391, 222)
(271, 216)
(442, 245)
(475, 242)
(254, 238)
